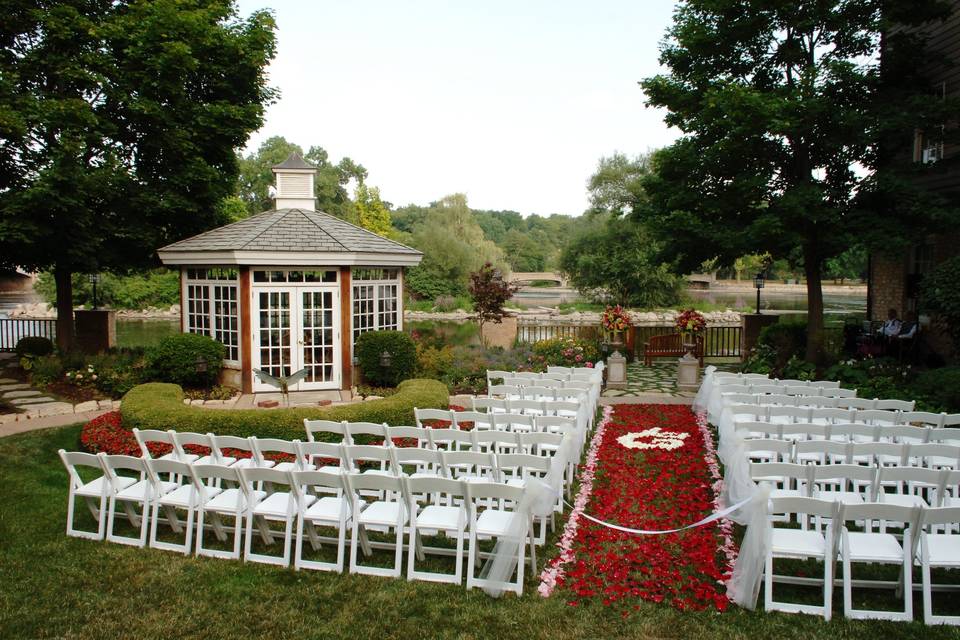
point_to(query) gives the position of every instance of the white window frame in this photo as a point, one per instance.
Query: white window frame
(209, 284)
(376, 284)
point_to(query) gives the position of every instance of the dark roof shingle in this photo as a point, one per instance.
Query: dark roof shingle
(294, 161)
(291, 230)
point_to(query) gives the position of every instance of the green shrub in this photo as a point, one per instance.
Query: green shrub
(175, 359)
(786, 340)
(566, 352)
(160, 406)
(403, 357)
(46, 370)
(940, 388)
(34, 346)
(940, 295)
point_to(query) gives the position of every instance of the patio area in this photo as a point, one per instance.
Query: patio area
(660, 378)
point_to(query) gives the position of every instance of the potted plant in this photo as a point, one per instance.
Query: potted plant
(691, 325)
(615, 322)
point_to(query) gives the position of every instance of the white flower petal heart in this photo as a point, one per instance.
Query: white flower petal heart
(656, 437)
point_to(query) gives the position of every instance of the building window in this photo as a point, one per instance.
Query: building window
(376, 305)
(213, 308)
(928, 144)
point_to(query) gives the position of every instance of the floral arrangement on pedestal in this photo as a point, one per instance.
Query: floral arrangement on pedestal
(691, 324)
(615, 321)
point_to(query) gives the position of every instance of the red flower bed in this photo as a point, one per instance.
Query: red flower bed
(656, 481)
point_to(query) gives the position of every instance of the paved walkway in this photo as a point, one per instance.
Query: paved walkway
(656, 384)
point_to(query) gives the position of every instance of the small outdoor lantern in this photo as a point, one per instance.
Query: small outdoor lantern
(386, 359)
(355, 372)
(200, 364)
(94, 279)
(758, 283)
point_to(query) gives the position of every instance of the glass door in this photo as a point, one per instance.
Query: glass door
(319, 338)
(274, 353)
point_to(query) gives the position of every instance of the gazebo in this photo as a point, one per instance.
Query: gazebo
(290, 288)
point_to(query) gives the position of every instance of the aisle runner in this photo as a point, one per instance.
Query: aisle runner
(648, 467)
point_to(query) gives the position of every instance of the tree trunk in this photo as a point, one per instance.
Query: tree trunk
(812, 268)
(63, 278)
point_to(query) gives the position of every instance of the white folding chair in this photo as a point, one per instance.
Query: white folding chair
(855, 432)
(183, 497)
(319, 430)
(804, 431)
(908, 486)
(230, 501)
(449, 518)
(368, 459)
(831, 415)
(130, 496)
(879, 453)
(388, 510)
(509, 392)
(472, 420)
(877, 417)
(243, 450)
(788, 480)
(825, 384)
(537, 393)
(769, 450)
(271, 505)
(366, 432)
(846, 483)
(941, 550)
(450, 439)
(516, 469)
(280, 449)
(498, 522)
(904, 434)
(923, 418)
(788, 415)
(895, 405)
(431, 415)
(936, 455)
(495, 441)
(328, 511)
(489, 405)
(470, 466)
(856, 403)
(516, 422)
(821, 452)
(872, 547)
(759, 430)
(203, 447)
(163, 443)
(417, 463)
(528, 407)
(803, 544)
(540, 444)
(407, 437)
(493, 374)
(93, 491)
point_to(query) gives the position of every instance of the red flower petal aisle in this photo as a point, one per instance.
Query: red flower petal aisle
(655, 469)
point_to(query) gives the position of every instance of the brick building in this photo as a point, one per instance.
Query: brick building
(894, 280)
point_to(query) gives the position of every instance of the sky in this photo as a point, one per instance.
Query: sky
(511, 102)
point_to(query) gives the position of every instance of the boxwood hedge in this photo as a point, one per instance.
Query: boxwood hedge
(158, 405)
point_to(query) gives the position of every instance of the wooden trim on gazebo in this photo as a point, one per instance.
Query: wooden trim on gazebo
(246, 331)
(346, 330)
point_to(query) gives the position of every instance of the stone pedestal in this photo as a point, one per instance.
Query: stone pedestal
(752, 323)
(501, 334)
(96, 329)
(616, 371)
(688, 372)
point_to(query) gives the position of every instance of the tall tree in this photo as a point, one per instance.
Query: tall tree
(489, 292)
(785, 108)
(617, 184)
(372, 213)
(118, 124)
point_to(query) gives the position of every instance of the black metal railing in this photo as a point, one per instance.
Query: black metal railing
(720, 341)
(12, 329)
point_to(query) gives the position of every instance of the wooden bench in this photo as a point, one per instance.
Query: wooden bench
(667, 345)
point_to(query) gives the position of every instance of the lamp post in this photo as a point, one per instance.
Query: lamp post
(200, 364)
(94, 279)
(758, 283)
(386, 359)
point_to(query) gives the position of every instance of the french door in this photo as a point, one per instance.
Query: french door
(297, 328)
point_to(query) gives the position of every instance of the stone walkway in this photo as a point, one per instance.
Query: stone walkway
(657, 382)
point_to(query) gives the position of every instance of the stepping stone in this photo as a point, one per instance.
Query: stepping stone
(26, 393)
(7, 356)
(7, 381)
(19, 402)
(49, 409)
(14, 386)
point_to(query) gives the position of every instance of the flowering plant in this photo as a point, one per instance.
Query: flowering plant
(692, 322)
(83, 377)
(566, 352)
(615, 319)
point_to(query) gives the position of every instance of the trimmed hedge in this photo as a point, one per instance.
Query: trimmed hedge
(158, 405)
(174, 359)
(403, 355)
(33, 346)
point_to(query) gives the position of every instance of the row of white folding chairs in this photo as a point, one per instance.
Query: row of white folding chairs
(836, 415)
(931, 455)
(494, 406)
(852, 538)
(723, 378)
(534, 378)
(847, 432)
(577, 389)
(406, 505)
(497, 423)
(766, 389)
(819, 401)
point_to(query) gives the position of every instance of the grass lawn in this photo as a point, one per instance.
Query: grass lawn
(52, 586)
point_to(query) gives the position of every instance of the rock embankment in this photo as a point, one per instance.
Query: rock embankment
(547, 315)
(44, 310)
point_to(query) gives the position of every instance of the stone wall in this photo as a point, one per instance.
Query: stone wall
(888, 285)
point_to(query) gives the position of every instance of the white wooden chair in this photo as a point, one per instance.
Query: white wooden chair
(184, 498)
(874, 547)
(264, 446)
(94, 491)
(528, 407)
(230, 501)
(387, 511)
(940, 550)
(497, 522)
(130, 496)
(489, 405)
(769, 450)
(318, 430)
(327, 511)
(237, 445)
(480, 421)
(271, 505)
(444, 415)
(804, 544)
(444, 510)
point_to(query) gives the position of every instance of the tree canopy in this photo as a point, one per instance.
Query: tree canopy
(794, 129)
(118, 123)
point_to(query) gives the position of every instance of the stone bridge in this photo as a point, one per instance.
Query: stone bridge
(529, 277)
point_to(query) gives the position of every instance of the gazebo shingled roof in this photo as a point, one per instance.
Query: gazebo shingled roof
(295, 230)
